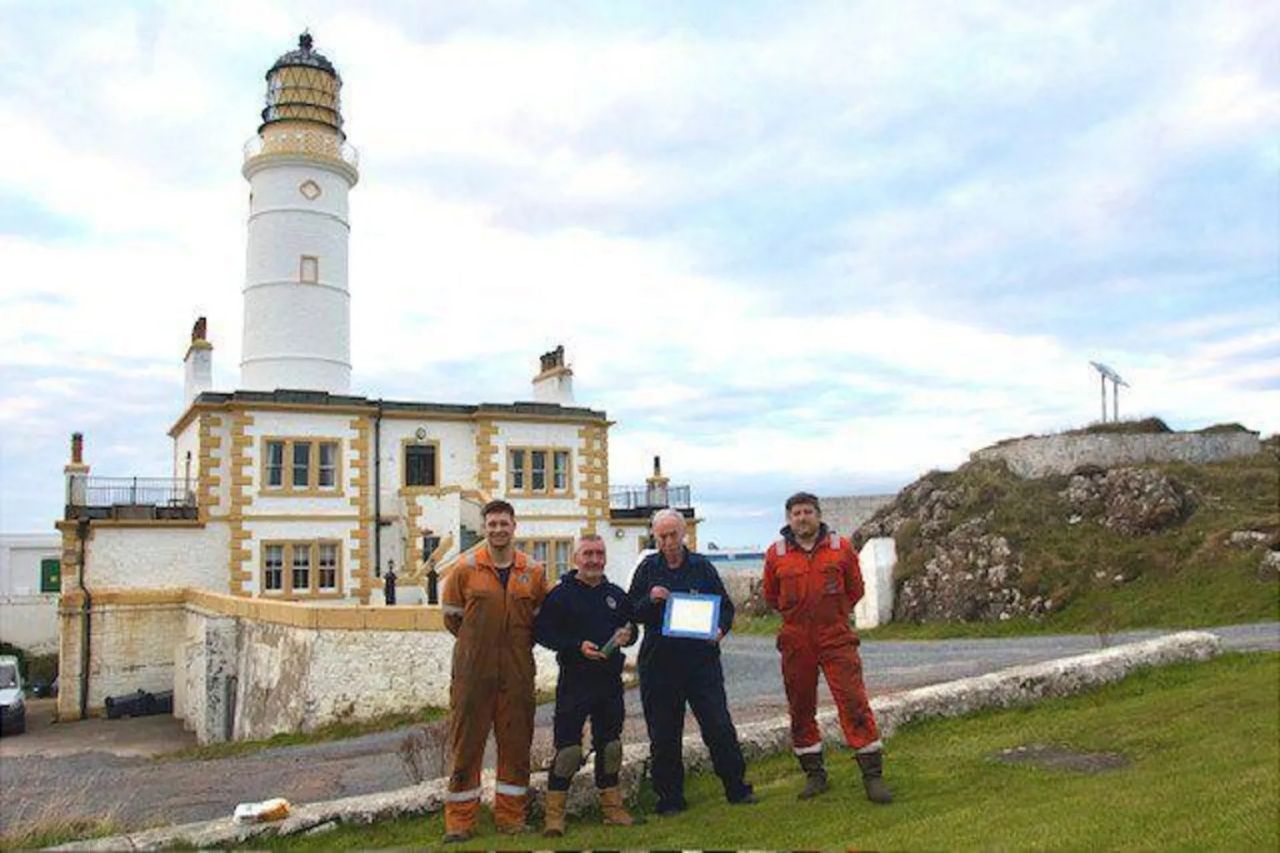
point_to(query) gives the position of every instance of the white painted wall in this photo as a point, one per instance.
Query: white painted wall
(20, 556)
(151, 557)
(296, 335)
(877, 559)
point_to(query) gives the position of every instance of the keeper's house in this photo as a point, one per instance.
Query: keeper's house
(251, 581)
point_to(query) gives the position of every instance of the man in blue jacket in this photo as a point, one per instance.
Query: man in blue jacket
(584, 620)
(678, 670)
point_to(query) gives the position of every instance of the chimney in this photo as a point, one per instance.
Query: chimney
(76, 472)
(555, 383)
(656, 492)
(198, 364)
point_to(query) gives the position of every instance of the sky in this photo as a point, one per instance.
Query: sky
(786, 245)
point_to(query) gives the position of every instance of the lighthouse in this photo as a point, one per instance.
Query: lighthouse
(300, 168)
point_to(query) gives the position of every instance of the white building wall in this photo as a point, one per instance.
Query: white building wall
(28, 617)
(156, 557)
(293, 424)
(457, 451)
(300, 530)
(877, 560)
(527, 434)
(296, 334)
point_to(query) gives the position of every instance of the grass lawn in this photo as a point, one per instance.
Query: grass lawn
(1203, 742)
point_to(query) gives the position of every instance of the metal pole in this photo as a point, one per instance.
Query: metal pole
(1103, 380)
(1115, 401)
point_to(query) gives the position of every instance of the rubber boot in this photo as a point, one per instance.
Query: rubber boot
(615, 814)
(872, 766)
(815, 781)
(555, 801)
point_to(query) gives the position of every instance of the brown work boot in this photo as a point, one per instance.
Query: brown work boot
(815, 781)
(456, 837)
(555, 801)
(872, 766)
(615, 814)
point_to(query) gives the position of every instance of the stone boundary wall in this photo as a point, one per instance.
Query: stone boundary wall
(30, 622)
(249, 669)
(846, 514)
(1044, 456)
(1020, 685)
(146, 639)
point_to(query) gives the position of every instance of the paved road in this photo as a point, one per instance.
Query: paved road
(140, 791)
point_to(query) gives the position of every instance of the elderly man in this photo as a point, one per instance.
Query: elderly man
(585, 621)
(489, 603)
(675, 671)
(811, 574)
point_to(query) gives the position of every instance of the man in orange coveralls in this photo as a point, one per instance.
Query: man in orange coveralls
(489, 601)
(811, 574)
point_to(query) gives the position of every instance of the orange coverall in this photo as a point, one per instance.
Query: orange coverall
(492, 684)
(815, 591)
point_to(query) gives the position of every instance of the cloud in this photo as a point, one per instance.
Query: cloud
(821, 244)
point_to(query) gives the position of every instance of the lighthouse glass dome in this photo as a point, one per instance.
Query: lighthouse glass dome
(303, 85)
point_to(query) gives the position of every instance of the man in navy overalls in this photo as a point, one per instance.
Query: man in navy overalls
(678, 670)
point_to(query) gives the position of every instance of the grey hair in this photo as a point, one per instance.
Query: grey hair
(668, 513)
(585, 538)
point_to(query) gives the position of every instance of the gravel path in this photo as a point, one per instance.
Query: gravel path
(140, 791)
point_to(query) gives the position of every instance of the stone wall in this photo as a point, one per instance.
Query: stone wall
(252, 669)
(846, 514)
(131, 645)
(1043, 456)
(30, 622)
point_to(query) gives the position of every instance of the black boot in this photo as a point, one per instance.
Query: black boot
(872, 766)
(815, 775)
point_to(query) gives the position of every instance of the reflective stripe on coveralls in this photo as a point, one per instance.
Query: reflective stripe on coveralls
(816, 591)
(492, 684)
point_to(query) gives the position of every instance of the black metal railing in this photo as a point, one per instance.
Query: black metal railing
(130, 491)
(649, 497)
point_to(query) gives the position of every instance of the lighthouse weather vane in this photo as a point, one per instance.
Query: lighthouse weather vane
(1105, 373)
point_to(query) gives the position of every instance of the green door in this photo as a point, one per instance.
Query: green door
(51, 575)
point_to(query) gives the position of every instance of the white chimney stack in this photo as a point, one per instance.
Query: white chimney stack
(555, 383)
(198, 365)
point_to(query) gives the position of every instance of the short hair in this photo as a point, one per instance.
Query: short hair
(585, 538)
(668, 513)
(804, 498)
(498, 505)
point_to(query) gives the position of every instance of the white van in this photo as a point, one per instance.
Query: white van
(13, 713)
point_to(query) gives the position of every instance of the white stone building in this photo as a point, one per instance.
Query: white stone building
(291, 499)
(30, 580)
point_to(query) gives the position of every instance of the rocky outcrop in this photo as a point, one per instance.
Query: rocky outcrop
(972, 576)
(1135, 501)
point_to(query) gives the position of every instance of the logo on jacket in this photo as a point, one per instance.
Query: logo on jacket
(523, 578)
(611, 601)
(833, 585)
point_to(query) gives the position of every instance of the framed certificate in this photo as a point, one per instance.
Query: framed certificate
(696, 617)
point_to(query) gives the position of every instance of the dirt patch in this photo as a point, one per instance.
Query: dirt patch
(1052, 757)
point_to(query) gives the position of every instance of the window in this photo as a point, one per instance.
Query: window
(517, 471)
(302, 569)
(538, 471)
(309, 269)
(555, 554)
(275, 465)
(301, 466)
(327, 470)
(560, 473)
(273, 568)
(300, 578)
(327, 567)
(420, 465)
(50, 574)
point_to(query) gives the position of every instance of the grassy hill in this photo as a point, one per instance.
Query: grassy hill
(1049, 565)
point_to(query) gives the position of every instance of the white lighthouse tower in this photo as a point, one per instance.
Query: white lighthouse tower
(297, 309)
